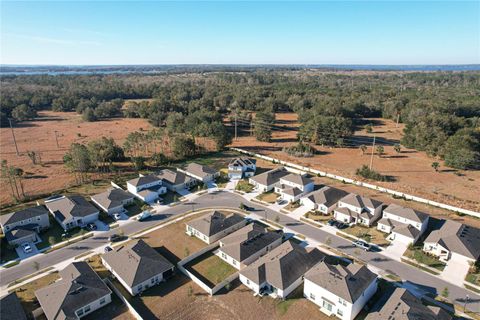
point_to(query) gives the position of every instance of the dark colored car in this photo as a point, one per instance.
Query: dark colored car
(108, 249)
(341, 225)
(332, 222)
(91, 226)
(115, 238)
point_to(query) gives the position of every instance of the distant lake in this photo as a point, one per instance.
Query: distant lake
(158, 69)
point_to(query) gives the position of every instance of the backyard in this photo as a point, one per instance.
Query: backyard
(416, 253)
(211, 268)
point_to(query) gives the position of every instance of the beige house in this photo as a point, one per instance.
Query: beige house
(72, 211)
(267, 181)
(215, 225)
(175, 180)
(355, 209)
(200, 172)
(323, 200)
(113, 200)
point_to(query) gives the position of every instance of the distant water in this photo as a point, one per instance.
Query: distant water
(156, 69)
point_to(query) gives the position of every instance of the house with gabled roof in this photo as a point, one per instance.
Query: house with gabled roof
(215, 225)
(72, 211)
(200, 172)
(324, 199)
(281, 270)
(11, 308)
(113, 200)
(137, 266)
(242, 167)
(79, 292)
(293, 186)
(404, 224)
(405, 306)
(454, 241)
(247, 244)
(338, 290)
(146, 187)
(356, 209)
(267, 181)
(24, 225)
(175, 180)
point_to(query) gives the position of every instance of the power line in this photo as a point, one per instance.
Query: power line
(13, 134)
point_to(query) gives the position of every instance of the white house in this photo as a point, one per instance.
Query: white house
(113, 200)
(240, 168)
(175, 180)
(281, 270)
(355, 209)
(268, 180)
(404, 224)
(24, 225)
(137, 266)
(79, 292)
(323, 200)
(146, 188)
(200, 172)
(214, 226)
(72, 211)
(293, 186)
(247, 244)
(338, 290)
(454, 241)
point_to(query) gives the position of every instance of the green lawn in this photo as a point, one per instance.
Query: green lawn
(416, 253)
(53, 234)
(244, 186)
(269, 196)
(212, 268)
(134, 208)
(170, 197)
(222, 180)
(473, 275)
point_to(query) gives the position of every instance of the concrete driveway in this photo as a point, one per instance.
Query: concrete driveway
(456, 270)
(22, 255)
(395, 250)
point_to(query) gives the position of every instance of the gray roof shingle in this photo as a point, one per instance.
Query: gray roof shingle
(358, 201)
(136, 262)
(327, 196)
(11, 308)
(79, 286)
(140, 181)
(112, 198)
(347, 282)
(173, 177)
(298, 179)
(199, 170)
(71, 206)
(407, 213)
(283, 265)
(271, 177)
(215, 222)
(24, 214)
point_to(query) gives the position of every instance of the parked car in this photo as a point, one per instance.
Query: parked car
(362, 244)
(115, 238)
(144, 215)
(281, 201)
(340, 225)
(117, 216)
(332, 222)
(91, 226)
(108, 249)
(26, 248)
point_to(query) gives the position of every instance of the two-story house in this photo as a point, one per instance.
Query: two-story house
(200, 172)
(323, 200)
(267, 181)
(240, 168)
(146, 187)
(24, 225)
(404, 224)
(293, 186)
(176, 180)
(214, 226)
(113, 200)
(355, 209)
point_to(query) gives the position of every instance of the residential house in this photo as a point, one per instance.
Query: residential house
(200, 172)
(215, 225)
(79, 292)
(11, 308)
(175, 180)
(293, 186)
(338, 290)
(24, 225)
(356, 209)
(247, 244)
(268, 180)
(72, 211)
(146, 187)
(405, 306)
(113, 200)
(454, 241)
(240, 168)
(404, 224)
(324, 199)
(281, 270)
(137, 266)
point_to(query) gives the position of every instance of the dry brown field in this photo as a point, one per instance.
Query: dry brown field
(411, 169)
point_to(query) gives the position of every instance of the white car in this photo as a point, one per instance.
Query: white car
(117, 216)
(26, 248)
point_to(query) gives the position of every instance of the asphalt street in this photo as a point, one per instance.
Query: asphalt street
(421, 280)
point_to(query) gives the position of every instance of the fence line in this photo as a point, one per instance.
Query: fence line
(361, 184)
(132, 310)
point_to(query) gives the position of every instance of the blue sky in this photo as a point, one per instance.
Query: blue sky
(359, 32)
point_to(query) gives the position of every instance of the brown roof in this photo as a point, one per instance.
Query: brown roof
(348, 283)
(112, 198)
(71, 206)
(407, 213)
(143, 180)
(136, 262)
(457, 238)
(283, 265)
(297, 179)
(270, 177)
(199, 170)
(357, 201)
(326, 195)
(173, 177)
(79, 286)
(215, 222)
(402, 305)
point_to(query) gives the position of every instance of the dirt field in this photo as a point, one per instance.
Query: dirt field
(411, 169)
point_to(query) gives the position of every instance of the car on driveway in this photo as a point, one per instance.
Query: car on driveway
(281, 201)
(116, 237)
(332, 222)
(117, 216)
(144, 215)
(340, 225)
(362, 245)
(108, 249)
(26, 248)
(91, 226)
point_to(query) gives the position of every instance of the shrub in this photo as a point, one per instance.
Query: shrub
(300, 150)
(368, 173)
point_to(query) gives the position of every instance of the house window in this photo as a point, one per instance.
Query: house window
(152, 280)
(79, 312)
(312, 296)
(102, 301)
(224, 256)
(87, 308)
(7, 227)
(139, 287)
(340, 312)
(248, 281)
(327, 305)
(234, 262)
(38, 218)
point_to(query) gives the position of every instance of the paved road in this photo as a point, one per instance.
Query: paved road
(419, 279)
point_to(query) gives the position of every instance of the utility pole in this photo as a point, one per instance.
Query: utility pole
(467, 299)
(251, 127)
(13, 134)
(373, 149)
(235, 124)
(56, 139)
(398, 119)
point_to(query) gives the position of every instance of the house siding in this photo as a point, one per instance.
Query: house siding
(42, 220)
(191, 231)
(96, 305)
